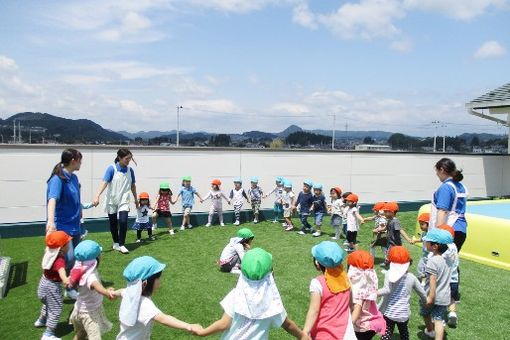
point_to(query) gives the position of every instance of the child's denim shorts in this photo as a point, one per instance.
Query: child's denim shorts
(436, 312)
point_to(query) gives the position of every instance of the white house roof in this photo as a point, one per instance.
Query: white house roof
(496, 98)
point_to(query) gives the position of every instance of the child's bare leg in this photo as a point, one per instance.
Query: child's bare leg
(439, 329)
(428, 323)
(169, 224)
(154, 219)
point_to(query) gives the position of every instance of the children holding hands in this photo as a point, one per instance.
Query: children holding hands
(237, 196)
(161, 207)
(318, 208)
(216, 196)
(335, 210)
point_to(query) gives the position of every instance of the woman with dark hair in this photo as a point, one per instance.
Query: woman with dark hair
(119, 178)
(449, 200)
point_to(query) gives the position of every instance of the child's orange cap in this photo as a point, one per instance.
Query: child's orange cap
(424, 217)
(399, 254)
(143, 196)
(361, 259)
(352, 198)
(216, 182)
(378, 206)
(391, 206)
(57, 239)
(447, 228)
(338, 191)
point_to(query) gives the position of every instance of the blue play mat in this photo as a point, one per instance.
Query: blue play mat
(501, 210)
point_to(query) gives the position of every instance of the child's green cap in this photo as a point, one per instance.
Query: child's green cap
(256, 264)
(245, 233)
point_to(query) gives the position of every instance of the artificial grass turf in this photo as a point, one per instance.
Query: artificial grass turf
(192, 287)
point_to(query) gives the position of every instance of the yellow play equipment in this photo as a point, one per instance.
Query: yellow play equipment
(488, 232)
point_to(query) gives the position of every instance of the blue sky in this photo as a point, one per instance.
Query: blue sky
(240, 65)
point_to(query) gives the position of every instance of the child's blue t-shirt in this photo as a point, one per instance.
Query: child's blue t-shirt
(319, 204)
(444, 197)
(188, 196)
(108, 175)
(68, 206)
(305, 201)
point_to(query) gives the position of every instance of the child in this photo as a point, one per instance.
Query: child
(318, 207)
(215, 194)
(393, 227)
(254, 305)
(142, 217)
(304, 202)
(398, 285)
(137, 310)
(233, 253)
(328, 315)
(423, 220)
(88, 317)
(238, 195)
(187, 193)
(278, 192)
(344, 217)
(162, 207)
(451, 257)
(379, 231)
(353, 220)
(367, 319)
(335, 210)
(288, 199)
(437, 284)
(50, 285)
(255, 193)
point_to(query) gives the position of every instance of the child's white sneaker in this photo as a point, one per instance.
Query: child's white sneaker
(182, 228)
(116, 246)
(222, 224)
(39, 323)
(236, 222)
(255, 221)
(275, 221)
(154, 227)
(190, 226)
(301, 232)
(171, 232)
(316, 234)
(289, 228)
(235, 271)
(124, 250)
(431, 334)
(208, 225)
(346, 243)
(452, 319)
(334, 238)
(49, 337)
(138, 241)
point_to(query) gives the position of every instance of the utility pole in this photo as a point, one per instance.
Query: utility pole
(333, 134)
(19, 131)
(444, 137)
(177, 135)
(14, 131)
(435, 123)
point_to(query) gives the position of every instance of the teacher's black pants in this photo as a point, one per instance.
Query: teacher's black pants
(118, 227)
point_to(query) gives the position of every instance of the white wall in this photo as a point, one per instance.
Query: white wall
(373, 176)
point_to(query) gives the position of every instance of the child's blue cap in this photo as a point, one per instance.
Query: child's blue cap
(308, 182)
(287, 184)
(328, 254)
(254, 179)
(279, 179)
(438, 236)
(87, 250)
(238, 180)
(142, 268)
(317, 186)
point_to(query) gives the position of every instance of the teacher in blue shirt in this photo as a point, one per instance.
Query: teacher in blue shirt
(449, 200)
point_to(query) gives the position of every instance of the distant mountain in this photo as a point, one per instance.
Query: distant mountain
(482, 137)
(73, 131)
(259, 135)
(342, 134)
(291, 129)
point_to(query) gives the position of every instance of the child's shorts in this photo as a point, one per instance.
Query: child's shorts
(162, 213)
(186, 211)
(142, 225)
(436, 312)
(278, 208)
(255, 206)
(454, 289)
(351, 236)
(318, 218)
(90, 325)
(287, 212)
(336, 220)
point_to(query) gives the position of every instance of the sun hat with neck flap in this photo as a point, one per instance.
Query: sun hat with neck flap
(256, 264)
(330, 256)
(399, 262)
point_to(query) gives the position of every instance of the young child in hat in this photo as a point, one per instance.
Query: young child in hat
(88, 316)
(255, 193)
(393, 227)
(304, 202)
(142, 221)
(345, 208)
(329, 315)
(278, 192)
(396, 293)
(216, 196)
(319, 208)
(161, 207)
(367, 319)
(237, 196)
(423, 221)
(233, 253)
(137, 310)
(335, 210)
(254, 305)
(354, 219)
(288, 199)
(187, 194)
(380, 238)
(451, 257)
(54, 275)
(437, 284)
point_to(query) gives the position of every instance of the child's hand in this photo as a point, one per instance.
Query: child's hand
(111, 293)
(429, 301)
(50, 227)
(66, 282)
(196, 329)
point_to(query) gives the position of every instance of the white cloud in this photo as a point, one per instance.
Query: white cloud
(235, 6)
(490, 49)
(292, 108)
(302, 15)
(7, 64)
(328, 97)
(458, 9)
(403, 46)
(215, 105)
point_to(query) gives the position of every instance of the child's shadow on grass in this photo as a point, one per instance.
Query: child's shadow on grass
(17, 276)
(63, 328)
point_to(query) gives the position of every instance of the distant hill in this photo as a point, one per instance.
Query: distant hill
(259, 135)
(482, 137)
(291, 129)
(64, 130)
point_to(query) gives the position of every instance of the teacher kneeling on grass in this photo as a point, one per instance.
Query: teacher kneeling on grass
(119, 178)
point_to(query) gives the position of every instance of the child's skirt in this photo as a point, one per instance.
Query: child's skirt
(142, 225)
(90, 325)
